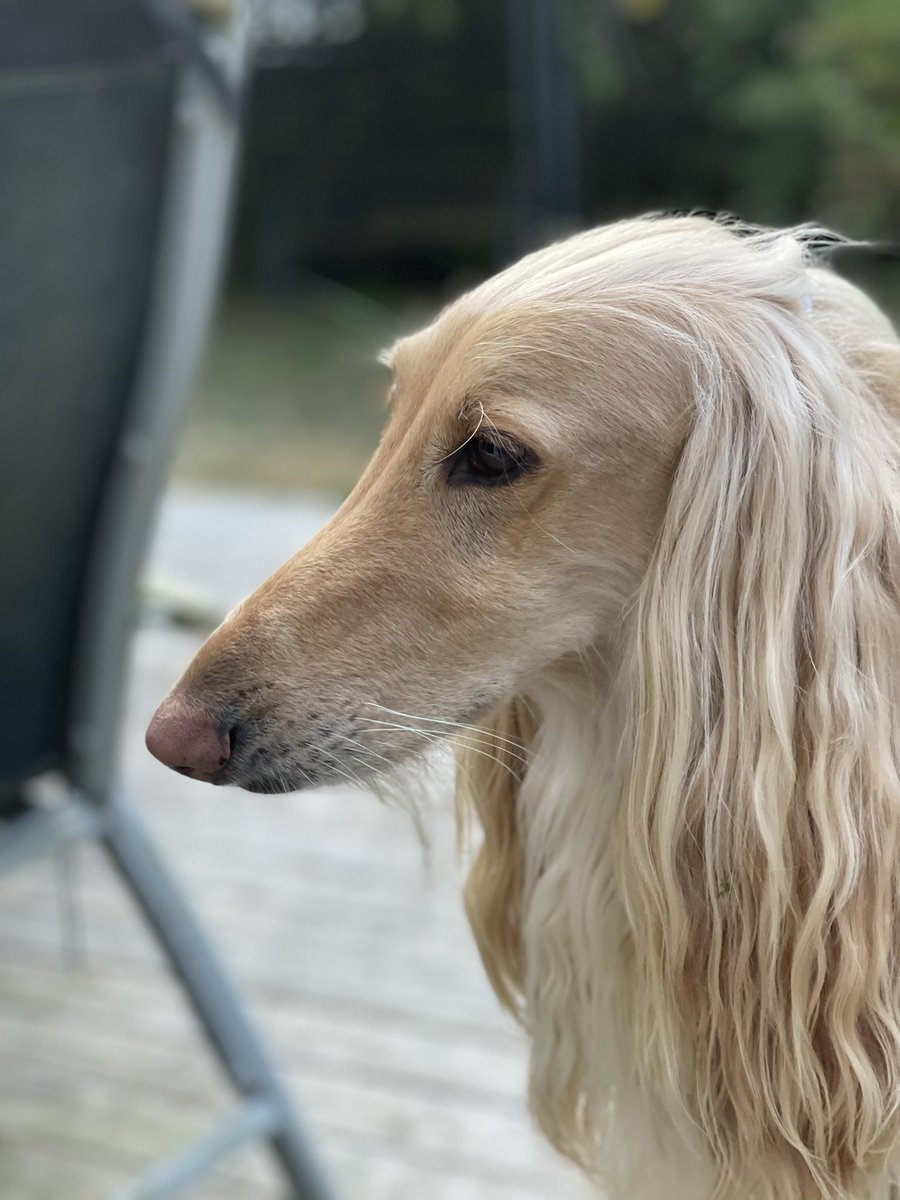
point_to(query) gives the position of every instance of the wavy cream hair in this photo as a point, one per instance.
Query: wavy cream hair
(682, 624)
(690, 893)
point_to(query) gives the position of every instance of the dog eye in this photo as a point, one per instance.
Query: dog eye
(490, 460)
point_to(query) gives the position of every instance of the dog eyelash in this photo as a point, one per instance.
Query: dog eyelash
(489, 459)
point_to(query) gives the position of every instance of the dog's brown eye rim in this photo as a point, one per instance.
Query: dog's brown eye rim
(490, 460)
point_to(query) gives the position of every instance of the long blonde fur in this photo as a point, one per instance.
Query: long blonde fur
(688, 887)
(691, 896)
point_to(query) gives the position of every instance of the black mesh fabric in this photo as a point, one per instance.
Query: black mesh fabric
(85, 110)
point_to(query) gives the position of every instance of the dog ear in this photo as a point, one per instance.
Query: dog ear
(759, 852)
(490, 768)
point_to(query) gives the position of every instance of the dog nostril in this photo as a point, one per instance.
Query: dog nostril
(232, 742)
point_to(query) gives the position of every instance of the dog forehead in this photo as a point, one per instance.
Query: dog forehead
(481, 342)
(553, 366)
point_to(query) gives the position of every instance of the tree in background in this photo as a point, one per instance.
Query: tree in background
(779, 111)
(842, 83)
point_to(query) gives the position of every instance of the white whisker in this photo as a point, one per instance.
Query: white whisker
(493, 737)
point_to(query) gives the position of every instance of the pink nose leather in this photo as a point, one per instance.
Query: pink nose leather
(188, 740)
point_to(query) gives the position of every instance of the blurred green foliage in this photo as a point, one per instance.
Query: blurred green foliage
(841, 82)
(777, 110)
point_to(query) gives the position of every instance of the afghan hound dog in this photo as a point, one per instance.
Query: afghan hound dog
(632, 534)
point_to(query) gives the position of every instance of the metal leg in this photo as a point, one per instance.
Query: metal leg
(169, 1179)
(211, 991)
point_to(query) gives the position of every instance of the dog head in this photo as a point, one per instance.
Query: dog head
(505, 522)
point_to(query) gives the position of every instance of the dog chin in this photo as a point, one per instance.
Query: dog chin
(267, 786)
(270, 785)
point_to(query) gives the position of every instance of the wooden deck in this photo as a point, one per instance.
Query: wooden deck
(351, 948)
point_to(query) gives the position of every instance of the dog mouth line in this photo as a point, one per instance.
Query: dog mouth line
(262, 772)
(269, 762)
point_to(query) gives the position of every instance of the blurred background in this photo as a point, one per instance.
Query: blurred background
(397, 151)
(392, 154)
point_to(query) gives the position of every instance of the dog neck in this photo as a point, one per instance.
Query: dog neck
(584, 1074)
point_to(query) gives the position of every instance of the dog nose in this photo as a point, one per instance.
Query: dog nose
(189, 739)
